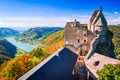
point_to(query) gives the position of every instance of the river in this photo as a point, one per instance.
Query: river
(23, 46)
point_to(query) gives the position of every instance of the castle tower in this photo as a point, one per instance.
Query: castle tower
(74, 22)
(97, 22)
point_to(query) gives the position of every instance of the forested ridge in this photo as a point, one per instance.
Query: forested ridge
(16, 67)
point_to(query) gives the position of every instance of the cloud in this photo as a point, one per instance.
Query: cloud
(31, 21)
(36, 21)
(9, 21)
(114, 21)
(111, 18)
(115, 12)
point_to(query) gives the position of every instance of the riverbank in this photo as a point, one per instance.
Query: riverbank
(24, 46)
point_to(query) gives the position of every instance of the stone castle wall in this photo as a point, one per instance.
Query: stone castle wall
(106, 44)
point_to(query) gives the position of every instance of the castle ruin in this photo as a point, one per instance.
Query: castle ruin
(80, 37)
(87, 41)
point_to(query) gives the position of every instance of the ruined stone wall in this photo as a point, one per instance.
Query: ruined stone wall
(101, 42)
(93, 47)
(106, 44)
(77, 37)
(71, 35)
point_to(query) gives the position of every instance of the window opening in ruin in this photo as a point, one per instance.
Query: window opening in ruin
(84, 41)
(80, 52)
(78, 40)
(96, 63)
(97, 31)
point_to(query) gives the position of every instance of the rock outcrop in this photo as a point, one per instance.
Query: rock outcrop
(102, 44)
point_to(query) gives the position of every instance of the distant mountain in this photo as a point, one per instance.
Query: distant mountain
(5, 32)
(19, 29)
(35, 33)
(118, 24)
(7, 50)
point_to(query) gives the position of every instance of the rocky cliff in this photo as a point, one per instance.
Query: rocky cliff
(102, 44)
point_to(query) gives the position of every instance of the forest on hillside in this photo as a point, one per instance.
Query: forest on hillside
(16, 67)
(116, 39)
(5, 32)
(32, 35)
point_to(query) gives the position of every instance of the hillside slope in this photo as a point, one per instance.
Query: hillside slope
(53, 41)
(52, 38)
(116, 38)
(5, 32)
(21, 65)
(7, 50)
(35, 33)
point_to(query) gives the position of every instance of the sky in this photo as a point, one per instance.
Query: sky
(34, 13)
